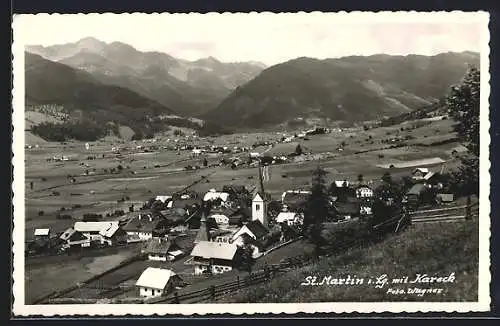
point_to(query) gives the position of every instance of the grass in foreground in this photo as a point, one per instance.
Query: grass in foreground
(436, 249)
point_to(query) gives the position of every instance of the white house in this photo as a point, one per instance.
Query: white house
(259, 209)
(141, 227)
(42, 233)
(254, 155)
(212, 194)
(220, 219)
(214, 257)
(290, 218)
(341, 183)
(103, 232)
(363, 191)
(163, 199)
(73, 238)
(161, 249)
(155, 282)
(196, 152)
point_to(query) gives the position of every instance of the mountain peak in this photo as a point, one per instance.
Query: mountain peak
(90, 43)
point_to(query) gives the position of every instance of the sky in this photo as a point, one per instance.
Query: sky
(267, 38)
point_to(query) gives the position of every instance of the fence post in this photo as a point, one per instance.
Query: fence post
(468, 209)
(212, 292)
(176, 297)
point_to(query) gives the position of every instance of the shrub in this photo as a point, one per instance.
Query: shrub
(41, 213)
(64, 217)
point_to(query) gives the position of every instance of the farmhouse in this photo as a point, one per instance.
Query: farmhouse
(414, 195)
(155, 282)
(142, 226)
(290, 218)
(347, 210)
(72, 238)
(108, 232)
(161, 249)
(214, 257)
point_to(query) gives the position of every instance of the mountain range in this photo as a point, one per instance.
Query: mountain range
(116, 82)
(188, 87)
(346, 89)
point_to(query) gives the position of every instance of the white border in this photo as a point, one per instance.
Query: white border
(483, 304)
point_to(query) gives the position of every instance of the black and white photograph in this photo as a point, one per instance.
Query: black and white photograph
(251, 163)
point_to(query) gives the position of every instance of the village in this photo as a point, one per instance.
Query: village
(189, 239)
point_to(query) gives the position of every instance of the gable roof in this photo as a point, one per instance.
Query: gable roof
(429, 175)
(156, 278)
(417, 189)
(257, 228)
(41, 232)
(69, 233)
(423, 170)
(285, 216)
(160, 246)
(109, 231)
(219, 250)
(141, 224)
(94, 226)
(214, 195)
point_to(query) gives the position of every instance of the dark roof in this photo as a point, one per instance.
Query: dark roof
(142, 225)
(257, 228)
(417, 189)
(182, 203)
(160, 246)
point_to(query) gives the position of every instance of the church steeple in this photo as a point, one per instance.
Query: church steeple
(203, 233)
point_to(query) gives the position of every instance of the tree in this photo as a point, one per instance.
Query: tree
(463, 106)
(360, 178)
(298, 150)
(316, 210)
(247, 259)
(333, 189)
(205, 162)
(387, 178)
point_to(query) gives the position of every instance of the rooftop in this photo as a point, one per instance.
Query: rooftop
(219, 250)
(155, 278)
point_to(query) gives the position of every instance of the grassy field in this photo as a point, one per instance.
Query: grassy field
(160, 172)
(437, 249)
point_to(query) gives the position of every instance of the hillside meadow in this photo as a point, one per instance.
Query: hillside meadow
(436, 249)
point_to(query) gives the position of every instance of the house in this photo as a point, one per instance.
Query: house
(414, 195)
(290, 218)
(141, 226)
(163, 199)
(295, 198)
(155, 282)
(103, 232)
(42, 234)
(419, 173)
(363, 191)
(214, 257)
(220, 219)
(113, 235)
(255, 229)
(239, 216)
(347, 210)
(161, 249)
(213, 195)
(342, 183)
(72, 238)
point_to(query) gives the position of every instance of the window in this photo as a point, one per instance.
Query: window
(257, 207)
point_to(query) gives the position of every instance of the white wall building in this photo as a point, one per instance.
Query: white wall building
(259, 209)
(155, 282)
